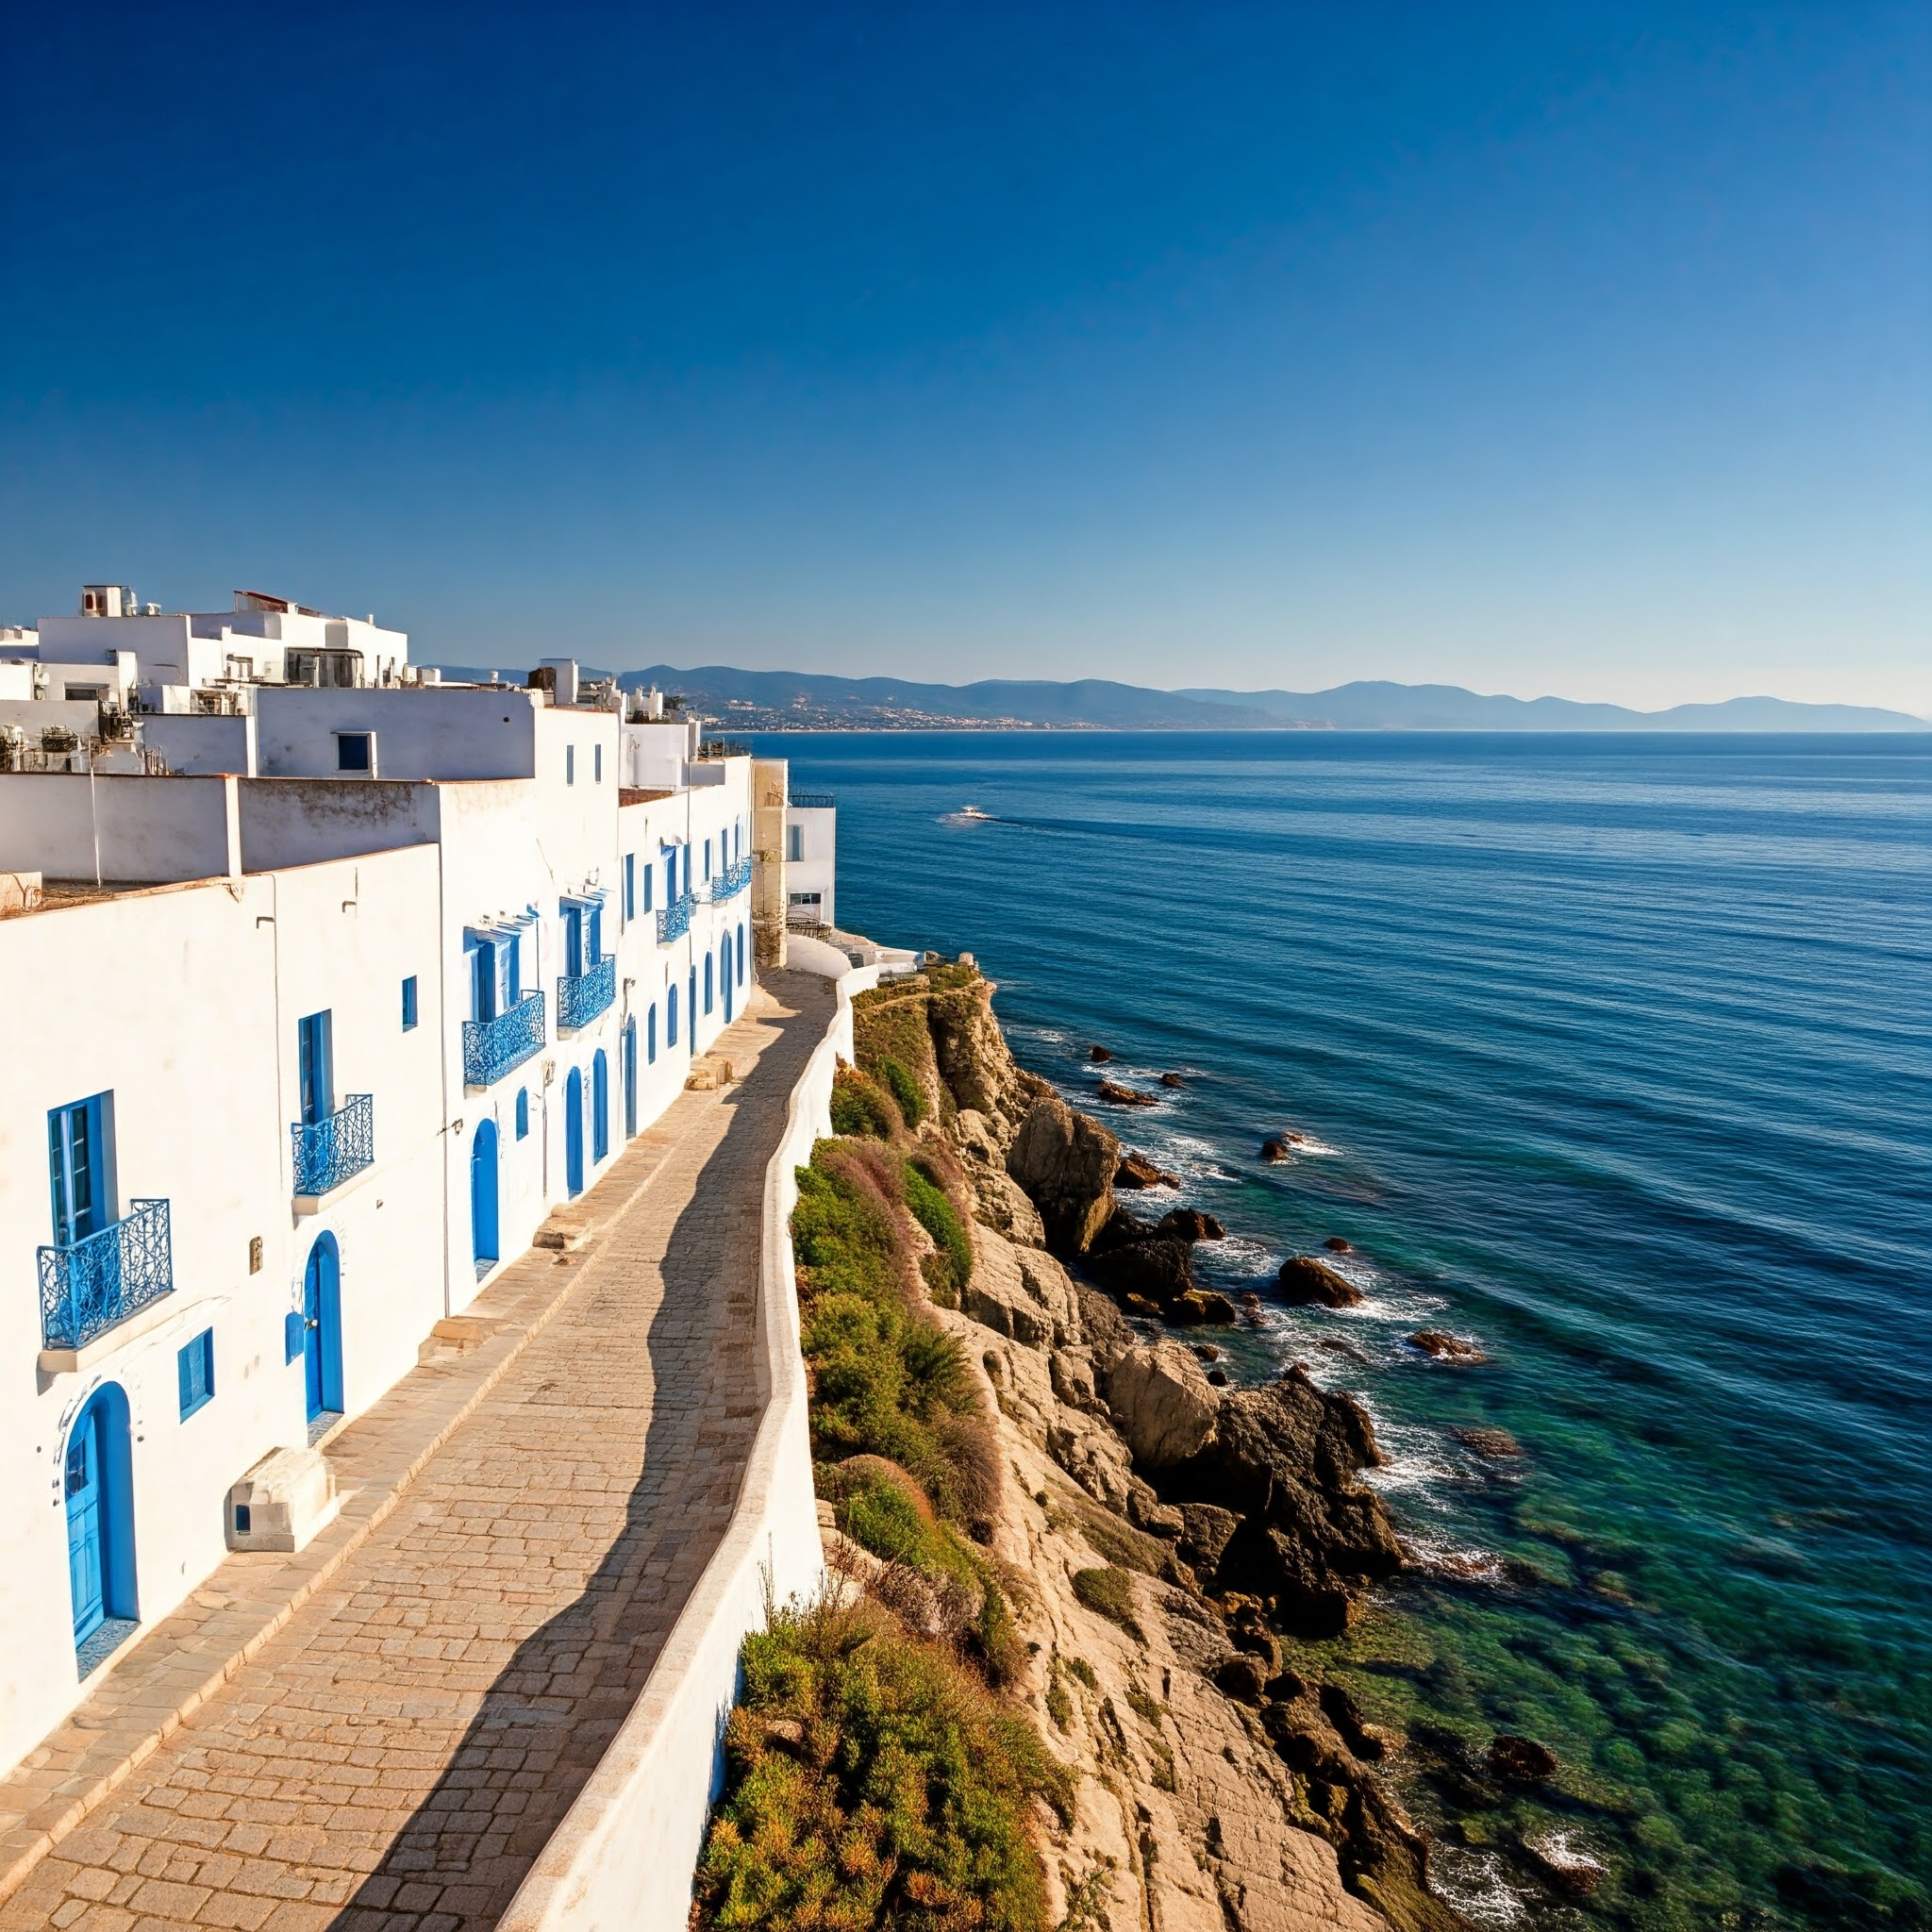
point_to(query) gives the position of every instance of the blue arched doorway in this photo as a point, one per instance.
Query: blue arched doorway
(322, 1329)
(600, 1105)
(99, 1482)
(630, 1078)
(574, 1134)
(484, 1240)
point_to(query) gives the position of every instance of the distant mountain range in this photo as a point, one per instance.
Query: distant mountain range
(780, 700)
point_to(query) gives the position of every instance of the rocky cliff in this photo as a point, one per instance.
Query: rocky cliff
(1157, 1530)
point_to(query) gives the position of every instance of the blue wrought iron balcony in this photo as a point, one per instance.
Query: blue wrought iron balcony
(732, 880)
(673, 921)
(581, 997)
(493, 1047)
(331, 1151)
(96, 1283)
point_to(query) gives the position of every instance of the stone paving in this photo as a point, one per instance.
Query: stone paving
(395, 1754)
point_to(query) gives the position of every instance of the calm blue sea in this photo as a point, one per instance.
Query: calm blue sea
(1613, 1055)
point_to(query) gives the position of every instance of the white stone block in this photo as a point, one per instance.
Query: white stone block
(282, 1502)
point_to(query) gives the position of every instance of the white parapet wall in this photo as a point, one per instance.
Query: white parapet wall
(624, 1856)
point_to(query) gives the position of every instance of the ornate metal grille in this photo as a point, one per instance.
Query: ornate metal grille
(673, 921)
(581, 997)
(328, 1151)
(732, 880)
(493, 1047)
(100, 1280)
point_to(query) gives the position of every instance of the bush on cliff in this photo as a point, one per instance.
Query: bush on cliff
(859, 1108)
(870, 1782)
(932, 1207)
(905, 1090)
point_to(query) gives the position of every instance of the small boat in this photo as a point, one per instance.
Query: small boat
(973, 812)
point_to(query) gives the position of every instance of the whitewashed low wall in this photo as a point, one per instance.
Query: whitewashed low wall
(624, 1858)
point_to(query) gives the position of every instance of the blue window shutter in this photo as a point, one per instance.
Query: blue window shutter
(630, 885)
(651, 1034)
(410, 1003)
(195, 1368)
(570, 764)
(647, 888)
(292, 1336)
(523, 1112)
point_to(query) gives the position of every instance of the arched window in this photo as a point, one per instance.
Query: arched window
(670, 1017)
(523, 1113)
(600, 1107)
(651, 1035)
(708, 982)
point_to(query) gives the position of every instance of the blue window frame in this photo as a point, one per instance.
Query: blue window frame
(317, 1075)
(647, 888)
(195, 1366)
(740, 954)
(355, 752)
(651, 1035)
(410, 1004)
(630, 887)
(708, 982)
(78, 1167)
(594, 938)
(523, 1113)
(670, 1017)
(573, 939)
(707, 859)
(600, 1107)
(596, 765)
(570, 764)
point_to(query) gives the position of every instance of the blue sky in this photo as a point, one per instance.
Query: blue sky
(1570, 349)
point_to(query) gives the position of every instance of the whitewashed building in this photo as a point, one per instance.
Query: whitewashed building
(318, 1005)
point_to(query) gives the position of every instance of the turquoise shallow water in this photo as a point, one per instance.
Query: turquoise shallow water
(1615, 1056)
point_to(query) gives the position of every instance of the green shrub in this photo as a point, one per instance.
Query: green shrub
(1109, 1592)
(1079, 1667)
(934, 1211)
(870, 1782)
(905, 1090)
(859, 1108)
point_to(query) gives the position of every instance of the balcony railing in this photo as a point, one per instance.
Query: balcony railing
(732, 880)
(328, 1151)
(673, 921)
(493, 1047)
(814, 801)
(581, 997)
(94, 1284)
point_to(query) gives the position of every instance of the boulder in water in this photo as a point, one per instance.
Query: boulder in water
(1117, 1095)
(1337, 1244)
(1172, 1081)
(1495, 1445)
(1520, 1760)
(1304, 1279)
(1191, 1225)
(1100, 1054)
(1440, 1345)
(1275, 1149)
(1137, 1171)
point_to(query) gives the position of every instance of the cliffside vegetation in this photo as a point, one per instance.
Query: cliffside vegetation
(876, 1776)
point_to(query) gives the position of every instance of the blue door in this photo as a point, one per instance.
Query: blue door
(322, 1338)
(483, 1237)
(630, 1078)
(86, 1558)
(574, 1134)
(600, 1105)
(724, 965)
(76, 1159)
(708, 982)
(317, 1076)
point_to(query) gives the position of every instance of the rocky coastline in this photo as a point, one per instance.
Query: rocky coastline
(1166, 1529)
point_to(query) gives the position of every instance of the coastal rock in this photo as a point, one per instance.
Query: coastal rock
(1285, 1457)
(1275, 1149)
(1564, 1865)
(1520, 1760)
(1100, 1054)
(1066, 1163)
(1021, 1294)
(1443, 1347)
(1337, 1244)
(1242, 1677)
(1136, 1170)
(974, 1058)
(1199, 1306)
(1112, 1091)
(1304, 1279)
(1161, 1269)
(1161, 1399)
(1495, 1445)
(1172, 1081)
(1191, 1225)
(1205, 1535)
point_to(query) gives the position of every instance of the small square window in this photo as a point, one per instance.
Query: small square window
(196, 1365)
(355, 752)
(410, 1004)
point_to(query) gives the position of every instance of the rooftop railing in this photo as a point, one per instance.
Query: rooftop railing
(732, 880)
(330, 1151)
(723, 748)
(814, 801)
(673, 921)
(581, 997)
(493, 1047)
(93, 1285)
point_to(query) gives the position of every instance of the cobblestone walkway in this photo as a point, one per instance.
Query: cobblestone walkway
(396, 1757)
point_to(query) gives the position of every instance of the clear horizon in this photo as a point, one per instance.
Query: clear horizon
(1583, 354)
